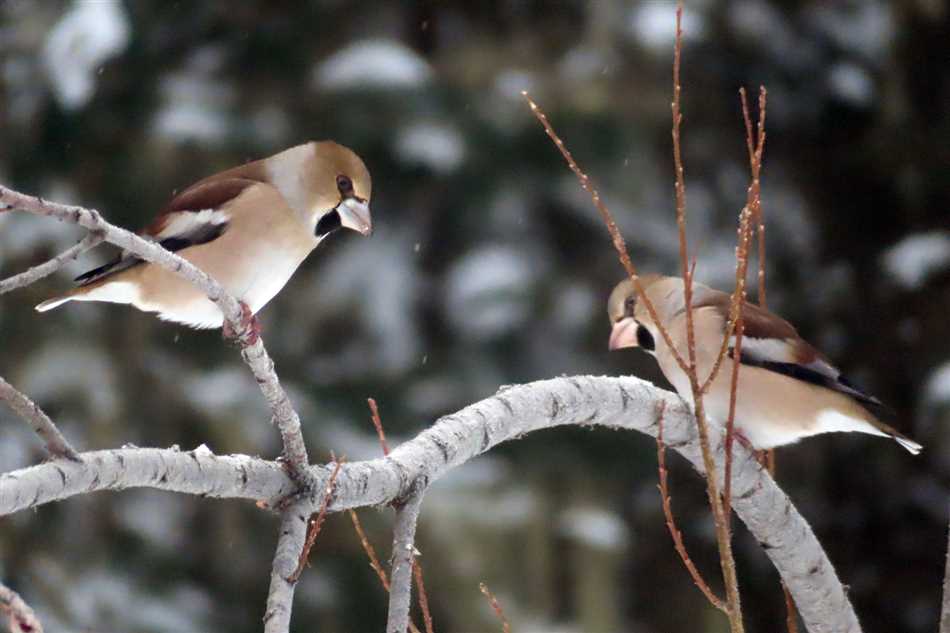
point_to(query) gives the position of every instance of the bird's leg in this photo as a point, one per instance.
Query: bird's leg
(249, 324)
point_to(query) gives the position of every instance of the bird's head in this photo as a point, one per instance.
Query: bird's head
(341, 188)
(629, 318)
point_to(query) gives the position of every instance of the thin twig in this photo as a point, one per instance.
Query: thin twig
(723, 536)
(56, 444)
(378, 423)
(47, 268)
(742, 263)
(253, 351)
(370, 551)
(423, 597)
(677, 536)
(619, 244)
(505, 627)
(400, 581)
(316, 521)
(20, 617)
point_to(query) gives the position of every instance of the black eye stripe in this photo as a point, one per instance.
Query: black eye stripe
(645, 339)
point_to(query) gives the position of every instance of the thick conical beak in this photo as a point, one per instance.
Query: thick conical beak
(624, 334)
(354, 214)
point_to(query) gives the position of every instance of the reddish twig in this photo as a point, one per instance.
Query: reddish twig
(423, 598)
(619, 244)
(374, 411)
(505, 627)
(723, 536)
(738, 300)
(316, 522)
(677, 536)
(20, 617)
(370, 551)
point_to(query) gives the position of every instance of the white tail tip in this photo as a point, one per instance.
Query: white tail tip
(49, 304)
(910, 445)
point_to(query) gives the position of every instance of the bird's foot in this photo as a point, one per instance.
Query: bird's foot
(250, 327)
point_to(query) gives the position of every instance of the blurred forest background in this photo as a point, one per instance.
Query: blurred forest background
(488, 266)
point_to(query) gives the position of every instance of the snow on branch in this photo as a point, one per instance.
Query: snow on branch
(616, 403)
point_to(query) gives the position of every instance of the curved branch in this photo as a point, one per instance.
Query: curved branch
(253, 351)
(618, 403)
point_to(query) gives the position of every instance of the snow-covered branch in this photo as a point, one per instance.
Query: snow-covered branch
(616, 403)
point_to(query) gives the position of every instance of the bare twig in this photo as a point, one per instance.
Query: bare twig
(253, 351)
(378, 423)
(493, 601)
(42, 425)
(677, 536)
(290, 544)
(316, 522)
(404, 551)
(619, 244)
(370, 551)
(423, 597)
(20, 617)
(738, 301)
(723, 535)
(48, 268)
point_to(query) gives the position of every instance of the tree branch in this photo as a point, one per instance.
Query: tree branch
(48, 268)
(20, 616)
(404, 549)
(618, 403)
(42, 425)
(290, 544)
(252, 347)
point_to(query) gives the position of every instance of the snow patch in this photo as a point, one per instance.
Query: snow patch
(84, 38)
(916, 257)
(439, 147)
(653, 24)
(385, 64)
(595, 528)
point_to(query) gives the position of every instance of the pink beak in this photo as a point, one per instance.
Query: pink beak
(624, 334)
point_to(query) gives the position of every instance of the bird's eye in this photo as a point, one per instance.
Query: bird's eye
(645, 339)
(629, 305)
(344, 184)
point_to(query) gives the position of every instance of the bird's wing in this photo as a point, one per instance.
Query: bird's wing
(770, 342)
(196, 216)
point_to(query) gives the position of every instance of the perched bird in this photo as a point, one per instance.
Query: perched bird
(787, 389)
(249, 227)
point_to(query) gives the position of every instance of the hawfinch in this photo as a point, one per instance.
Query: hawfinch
(787, 390)
(249, 228)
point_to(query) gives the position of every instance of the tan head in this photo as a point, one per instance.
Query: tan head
(327, 184)
(631, 322)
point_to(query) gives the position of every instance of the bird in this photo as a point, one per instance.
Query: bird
(787, 390)
(249, 227)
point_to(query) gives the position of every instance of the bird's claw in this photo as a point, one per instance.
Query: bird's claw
(250, 327)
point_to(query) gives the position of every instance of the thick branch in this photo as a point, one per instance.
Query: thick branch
(20, 616)
(404, 535)
(253, 350)
(197, 472)
(42, 425)
(618, 403)
(48, 268)
(290, 544)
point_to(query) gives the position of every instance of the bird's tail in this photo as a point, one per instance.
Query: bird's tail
(55, 302)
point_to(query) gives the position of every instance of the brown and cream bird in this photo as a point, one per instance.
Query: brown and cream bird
(787, 389)
(249, 227)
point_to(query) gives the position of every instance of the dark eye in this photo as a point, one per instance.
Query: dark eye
(645, 339)
(344, 184)
(629, 305)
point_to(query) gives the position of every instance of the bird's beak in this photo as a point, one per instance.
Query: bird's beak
(354, 214)
(624, 334)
